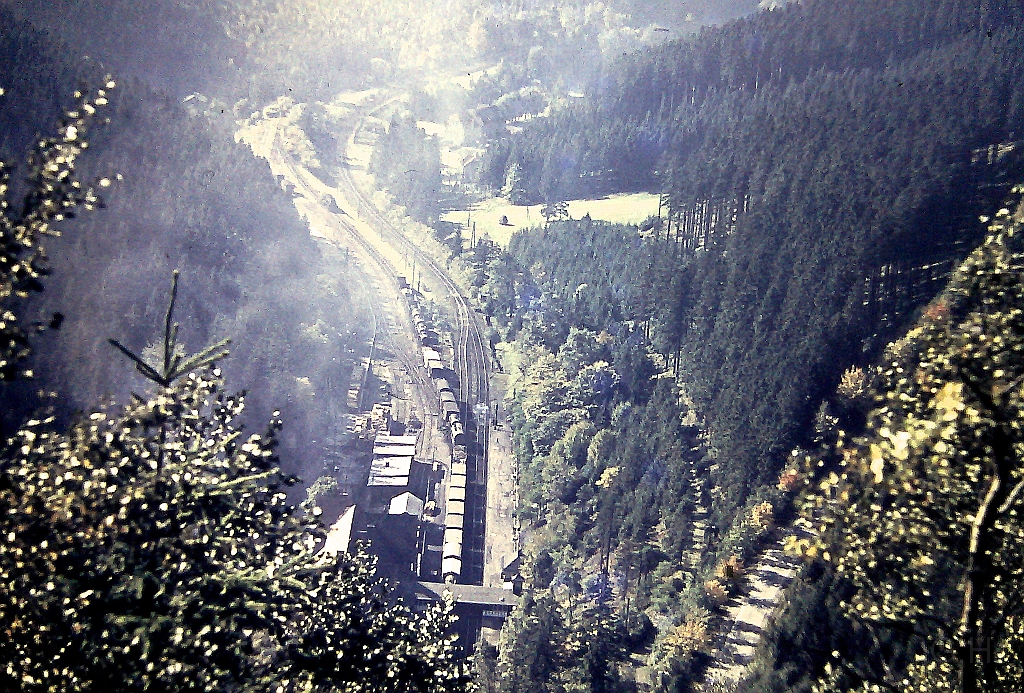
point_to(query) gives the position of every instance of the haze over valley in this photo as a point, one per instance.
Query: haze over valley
(511, 346)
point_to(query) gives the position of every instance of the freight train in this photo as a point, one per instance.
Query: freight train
(448, 406)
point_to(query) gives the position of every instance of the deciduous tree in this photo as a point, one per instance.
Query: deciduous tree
(923, 514)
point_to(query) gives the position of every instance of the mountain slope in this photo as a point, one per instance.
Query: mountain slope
(190, 199)
(825, 161)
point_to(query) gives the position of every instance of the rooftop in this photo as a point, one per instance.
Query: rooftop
(394, 450)
(383, 439)
(340, 534)
(405, 504)
(466, 594)
(390, 471)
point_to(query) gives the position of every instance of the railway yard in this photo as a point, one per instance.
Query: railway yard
(415, 479)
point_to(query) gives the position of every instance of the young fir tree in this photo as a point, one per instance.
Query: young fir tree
(153, 548)
(922, 515)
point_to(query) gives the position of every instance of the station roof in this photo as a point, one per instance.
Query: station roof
(466, 594)
(391, 466)
(383, 439)
(394, 450)
(390, 471)
(396, 481)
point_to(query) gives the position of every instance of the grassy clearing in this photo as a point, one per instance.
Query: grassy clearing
(620, 209)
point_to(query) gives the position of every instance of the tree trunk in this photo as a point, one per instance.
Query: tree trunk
(981, 569)
(979, 577)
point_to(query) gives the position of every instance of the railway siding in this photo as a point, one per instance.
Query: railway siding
(345, 215)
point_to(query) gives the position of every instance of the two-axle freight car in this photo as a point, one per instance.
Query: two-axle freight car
(451, 416)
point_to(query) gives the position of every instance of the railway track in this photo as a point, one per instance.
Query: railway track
(361, 221)
(471, 362)
(472, 359)
(386, 274)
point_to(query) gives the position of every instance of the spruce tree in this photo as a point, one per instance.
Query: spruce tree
(54, 193)
(152, 547)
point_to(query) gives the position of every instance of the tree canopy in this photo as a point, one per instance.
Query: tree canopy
(922, 514)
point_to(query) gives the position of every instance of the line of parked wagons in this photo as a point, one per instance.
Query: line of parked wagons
(455, 506)
(447, 404)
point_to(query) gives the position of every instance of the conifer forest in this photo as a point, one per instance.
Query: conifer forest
(512, 346)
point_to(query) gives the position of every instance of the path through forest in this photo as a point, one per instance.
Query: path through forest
(748, 612)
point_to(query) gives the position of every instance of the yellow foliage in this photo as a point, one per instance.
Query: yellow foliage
(608, 477)
(761, 515)
(877, 463)
(716, 591)
(950, 401)
(730, 569)
(853, 384)
(789, 480)
(688, 636)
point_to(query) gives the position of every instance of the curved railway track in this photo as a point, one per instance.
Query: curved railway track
(472, 361)
(470, 353)
(387, 274)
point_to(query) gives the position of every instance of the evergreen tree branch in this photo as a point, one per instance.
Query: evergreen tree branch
(143, 367)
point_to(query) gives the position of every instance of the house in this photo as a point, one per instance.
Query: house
(406, 504)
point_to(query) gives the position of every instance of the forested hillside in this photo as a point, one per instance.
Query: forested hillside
(614, 460)
(915, 571)
(261, 49)
(822, 169)
(671, 386)
(820, 165)
(151, 546)
(669, 108)
(189, 198)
